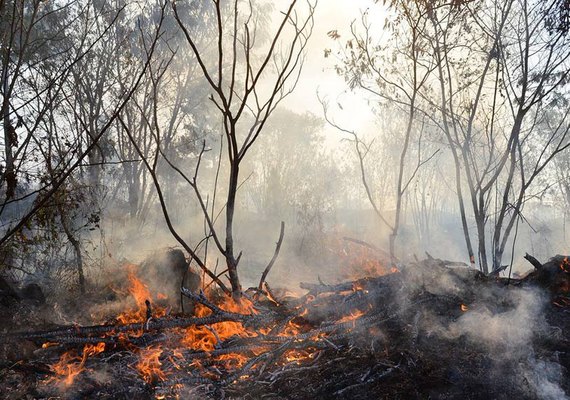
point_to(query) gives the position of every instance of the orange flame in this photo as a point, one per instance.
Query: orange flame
(149, 365)
(206, 339)
(70, 365)
(297, 356)
(352, 317)
(233, 361)
(464, 307)
(140, 292)
(565, 265)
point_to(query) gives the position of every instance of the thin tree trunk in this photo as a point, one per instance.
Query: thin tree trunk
(456, 160)
(399, 189)
(66, 224)
(9, 139)
(231, 261)
(482, 248)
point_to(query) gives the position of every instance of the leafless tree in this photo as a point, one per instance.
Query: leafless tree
(365, 66)
(247, 81)
(494, 113)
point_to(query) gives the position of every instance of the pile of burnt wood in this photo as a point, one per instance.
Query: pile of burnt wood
(426, 331)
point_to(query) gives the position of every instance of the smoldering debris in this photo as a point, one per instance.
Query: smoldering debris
(391, 335)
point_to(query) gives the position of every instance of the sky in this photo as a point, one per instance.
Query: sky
(319, 75)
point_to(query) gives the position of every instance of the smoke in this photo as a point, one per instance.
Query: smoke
(544, 378)
(504, 331)
(506, 328)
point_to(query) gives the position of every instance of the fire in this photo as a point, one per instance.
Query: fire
(357, 286)
(206, 338)
(71, 365)
(291, 329)
(297, 356)
(155, 365)
(66, 369)
(199, 338)
(140, 293)
(233, 361)
(359, 260)
(149, 365)
(464, 307)
(352, 317)
(565, 265)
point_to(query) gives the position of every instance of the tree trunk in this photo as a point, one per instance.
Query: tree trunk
(9, 140)
(231, 261)
(66, 224)
(480, 221)
(452, 146)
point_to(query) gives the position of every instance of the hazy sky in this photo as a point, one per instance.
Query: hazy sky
(318, 72)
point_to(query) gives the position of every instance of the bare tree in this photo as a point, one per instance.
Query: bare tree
(247, 82)
(492, 79)
(493, 113)
(365, 66)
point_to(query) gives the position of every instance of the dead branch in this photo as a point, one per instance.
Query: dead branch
(151, 325)
(362, 243)
(536, 264)
(365, 283)
(275, 255)
(200, 298)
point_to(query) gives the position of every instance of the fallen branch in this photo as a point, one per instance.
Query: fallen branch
(151, 325)
(365, 283)
(364, 244)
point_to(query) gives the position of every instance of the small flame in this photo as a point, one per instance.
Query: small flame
(297, 356)
(70, 365)
(565, 265)
(149, 365)
(291, 329)
(352, 317)
(464, 307)
(233, 361)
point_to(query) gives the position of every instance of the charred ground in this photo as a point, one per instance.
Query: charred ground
(426, 331)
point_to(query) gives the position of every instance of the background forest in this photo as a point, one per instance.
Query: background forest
(417, 126)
